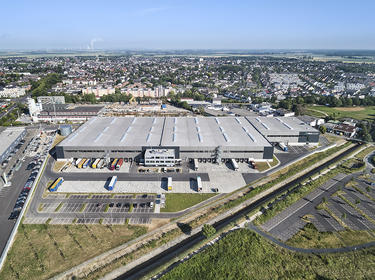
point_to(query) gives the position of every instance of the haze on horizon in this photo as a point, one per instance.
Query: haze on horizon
(167, 24)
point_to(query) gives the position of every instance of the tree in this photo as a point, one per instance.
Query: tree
(322, 129)
(208, 230)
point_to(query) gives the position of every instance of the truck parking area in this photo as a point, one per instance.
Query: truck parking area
(343, 202)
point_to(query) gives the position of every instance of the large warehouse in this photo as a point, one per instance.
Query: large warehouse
(202, 138)
(168, 140)
(288, 130)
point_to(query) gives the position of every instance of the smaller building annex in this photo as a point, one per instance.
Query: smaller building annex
(9, 139)
(288, 130)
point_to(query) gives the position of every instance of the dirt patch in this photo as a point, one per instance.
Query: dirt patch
(157, 223)
(349, 109)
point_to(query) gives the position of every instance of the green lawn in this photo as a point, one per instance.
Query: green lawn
(180, 201)
(359, 113)
(243, 254)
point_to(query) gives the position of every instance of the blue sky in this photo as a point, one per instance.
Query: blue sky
(205, 24)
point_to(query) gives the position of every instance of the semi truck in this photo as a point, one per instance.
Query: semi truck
(56, 184)
(81, 163)
(169, 184)
(199, 184)
(86, 164)
(119, 164)
(283, 146)
(95, 163)
(100, 164)
(113, 164)
(195, 161)
(234, 164)
(112, 183)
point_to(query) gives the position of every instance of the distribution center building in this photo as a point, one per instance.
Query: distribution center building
(212, 139)
(287, 130)
(164, 141)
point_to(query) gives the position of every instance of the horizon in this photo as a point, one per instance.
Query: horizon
(176, 25)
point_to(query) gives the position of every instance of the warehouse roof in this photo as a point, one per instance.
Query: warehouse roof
(8, 136)
(99, 131)
(180, 131)
(211, 132)
(280, 125)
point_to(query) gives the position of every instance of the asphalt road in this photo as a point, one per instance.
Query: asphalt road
(312, 250)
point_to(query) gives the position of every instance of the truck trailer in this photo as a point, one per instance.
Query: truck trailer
(169, 183)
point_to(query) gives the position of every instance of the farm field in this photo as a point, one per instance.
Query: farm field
(359, 113)
(243, 254)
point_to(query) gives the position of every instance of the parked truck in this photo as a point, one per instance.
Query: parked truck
(113, 164)
(86, 164)
(195, 161)
(234, 164)
(283, 146)
(169, 184)
(199, 184)
(56, 184)
(95, 163)
(119, 163)
(112, 183)
(80, 164)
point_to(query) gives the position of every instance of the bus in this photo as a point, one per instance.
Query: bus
(169, 183)
(234, 164)
(113, 164)
(112, 183)
(86, 164)
(95, 163)
(81, 163)
(119, 164)
(195, 164)
(199, 184)
(56, 184)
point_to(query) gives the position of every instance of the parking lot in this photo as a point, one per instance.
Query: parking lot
(349, 204)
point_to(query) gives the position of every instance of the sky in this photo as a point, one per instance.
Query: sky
(188, 24)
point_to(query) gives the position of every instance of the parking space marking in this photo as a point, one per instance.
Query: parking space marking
(88, 221)
(62, 221)
(137, 221)
(113, 221)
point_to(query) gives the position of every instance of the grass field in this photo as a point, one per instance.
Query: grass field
(243, 254)
(359, 113)
(180, 201)
(263, 166)
(42, 251)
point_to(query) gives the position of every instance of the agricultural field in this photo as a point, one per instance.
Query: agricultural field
(358, 113)
(243, 254)
(42, 251)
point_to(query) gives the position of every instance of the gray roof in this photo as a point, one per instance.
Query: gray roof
(155, 131)
(8, 136)
(117, 131)
(211, 132)
(280, 125)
